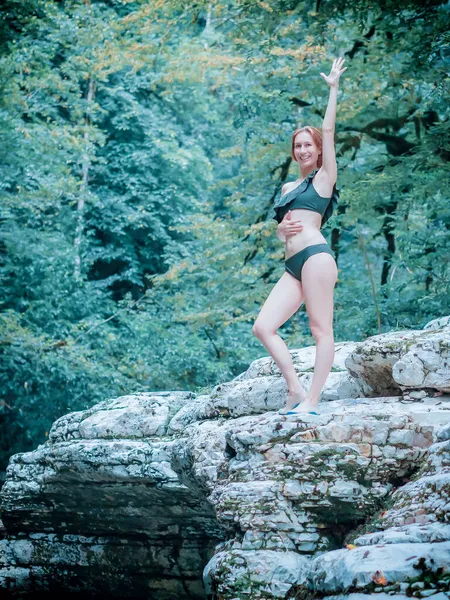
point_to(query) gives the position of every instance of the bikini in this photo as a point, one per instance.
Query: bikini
(305, 196)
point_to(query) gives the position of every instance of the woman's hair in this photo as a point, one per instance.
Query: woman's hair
(316, 135)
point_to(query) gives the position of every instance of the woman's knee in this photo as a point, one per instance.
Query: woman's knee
(320, 331)
(260, 330)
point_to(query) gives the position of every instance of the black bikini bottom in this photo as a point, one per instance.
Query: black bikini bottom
(294, 264)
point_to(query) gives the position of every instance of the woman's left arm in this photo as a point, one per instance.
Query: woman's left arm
(329, 121)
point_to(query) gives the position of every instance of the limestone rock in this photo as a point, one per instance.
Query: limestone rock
(270, 484)
(411, 553)
(137, 416)
(265, 393)
(115, 565)
(414, 533)
(379, 596)
(261, 389)
(119, 498)
(426, 499)
(339, 385)
(289, 500)
(372, 360)
(426, 364)
(443, 433)
(247, 571)
(440, 323)
(366, 568)
(134, 496)
(303, 359)
(388, 363)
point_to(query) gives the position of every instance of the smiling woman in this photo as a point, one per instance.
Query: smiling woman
(310, 268)
(307, 146)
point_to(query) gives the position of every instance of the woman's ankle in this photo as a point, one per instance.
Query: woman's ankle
(298, 392)
(311, 401)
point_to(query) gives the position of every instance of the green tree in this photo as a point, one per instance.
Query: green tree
(143, 145)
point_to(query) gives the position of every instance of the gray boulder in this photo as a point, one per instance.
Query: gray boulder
(426, 363)
(390, 363)
(173, 495)
(440, 323)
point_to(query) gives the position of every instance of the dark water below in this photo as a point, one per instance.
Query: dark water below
(62, 595)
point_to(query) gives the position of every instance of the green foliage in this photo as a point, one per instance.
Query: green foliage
(142, 147)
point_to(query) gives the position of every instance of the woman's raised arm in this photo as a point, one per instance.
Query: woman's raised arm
(329, 121)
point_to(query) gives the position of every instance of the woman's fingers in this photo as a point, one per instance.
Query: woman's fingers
(337, 67)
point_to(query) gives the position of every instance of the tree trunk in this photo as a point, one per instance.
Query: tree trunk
(85, 164)
(388, 232)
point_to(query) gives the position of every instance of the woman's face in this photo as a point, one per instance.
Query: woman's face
(305, 151)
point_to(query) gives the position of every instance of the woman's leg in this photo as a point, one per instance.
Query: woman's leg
(283, 301)
(319, 275)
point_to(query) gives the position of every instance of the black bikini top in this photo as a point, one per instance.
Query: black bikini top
(305, 196)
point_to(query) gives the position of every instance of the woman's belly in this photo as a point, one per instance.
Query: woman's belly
(309, 235)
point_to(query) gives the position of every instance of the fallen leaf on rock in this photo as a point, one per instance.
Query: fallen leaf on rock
(350, 546)
(379, 578)
(366, 554)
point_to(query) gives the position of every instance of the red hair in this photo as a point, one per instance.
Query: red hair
(316, 135)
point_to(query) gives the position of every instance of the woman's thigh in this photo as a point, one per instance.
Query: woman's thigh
(283, 301)
(319, 275)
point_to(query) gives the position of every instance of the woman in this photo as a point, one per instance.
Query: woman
(310, 269)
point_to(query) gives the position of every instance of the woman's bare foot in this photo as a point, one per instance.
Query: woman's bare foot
(294, 399)
(307, 406)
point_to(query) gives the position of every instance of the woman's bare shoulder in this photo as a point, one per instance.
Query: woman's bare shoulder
(288, 187)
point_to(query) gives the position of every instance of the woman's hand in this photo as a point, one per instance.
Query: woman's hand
(335, 73)
(288, 227)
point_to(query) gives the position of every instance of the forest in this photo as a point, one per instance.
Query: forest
(143, 144)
